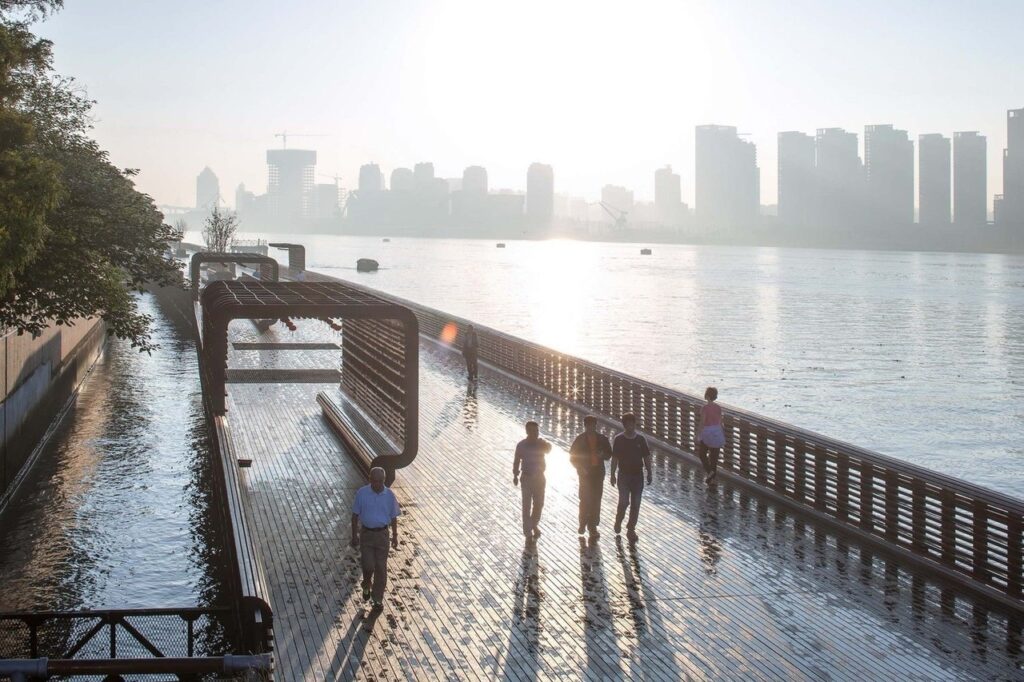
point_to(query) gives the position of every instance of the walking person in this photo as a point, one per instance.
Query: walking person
(630, 457)
(587, 455)
(375, 509)
(529, 460)
(712, 435)
(470, 349)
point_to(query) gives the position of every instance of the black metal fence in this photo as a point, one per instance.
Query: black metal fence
(123, 633)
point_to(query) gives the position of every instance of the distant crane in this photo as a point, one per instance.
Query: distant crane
(284, 135)
(617, 215)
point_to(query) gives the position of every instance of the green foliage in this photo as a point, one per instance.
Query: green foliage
(76, 237)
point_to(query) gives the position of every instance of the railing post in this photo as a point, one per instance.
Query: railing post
(113, 636)
(33, 636)
(672, 420)
(799, 465)
(979, 530)
(762, 454)
(842, 486)
(918, 516)
(1013, 556)
(948, 531)
(739, 458)
(779, 461)
(867, 496)
(820, 478)
(892, 505)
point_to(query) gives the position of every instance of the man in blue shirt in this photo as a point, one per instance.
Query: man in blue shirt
(375, 509)
(530, 459)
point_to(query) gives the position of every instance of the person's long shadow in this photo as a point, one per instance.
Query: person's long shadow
(348, 658)
(648, 623)
(522, 655)
(599, 635)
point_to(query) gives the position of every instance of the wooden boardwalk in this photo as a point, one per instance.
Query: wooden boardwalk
(721, 585)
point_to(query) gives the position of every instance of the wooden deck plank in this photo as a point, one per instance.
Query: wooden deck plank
(720, 585)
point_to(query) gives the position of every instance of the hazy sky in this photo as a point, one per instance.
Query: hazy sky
(604, 91)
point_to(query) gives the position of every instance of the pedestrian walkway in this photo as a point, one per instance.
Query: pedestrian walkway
(720, 585)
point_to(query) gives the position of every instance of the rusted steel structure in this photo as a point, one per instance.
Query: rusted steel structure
(380, 355)
(959, 530)
(269, 269)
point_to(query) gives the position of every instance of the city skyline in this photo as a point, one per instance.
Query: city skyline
(461, 98)
(825, 182)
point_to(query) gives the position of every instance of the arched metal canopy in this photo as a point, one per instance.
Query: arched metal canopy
(380, 348)
(238, 258)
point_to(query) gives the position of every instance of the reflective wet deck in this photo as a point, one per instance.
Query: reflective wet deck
(721, 585)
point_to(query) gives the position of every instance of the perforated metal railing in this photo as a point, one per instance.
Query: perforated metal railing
(131, 633)
(959, 529)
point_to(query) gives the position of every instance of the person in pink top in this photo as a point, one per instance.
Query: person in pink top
(712, 435)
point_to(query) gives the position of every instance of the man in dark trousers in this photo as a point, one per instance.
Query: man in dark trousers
(470, 349)
(630, 456)
(530, 460)
(375, 509)
(587, 454)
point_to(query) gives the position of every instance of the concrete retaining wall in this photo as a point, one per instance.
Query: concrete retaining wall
(39, 375)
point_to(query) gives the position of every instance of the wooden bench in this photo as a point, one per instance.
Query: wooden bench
(365, 441)
(255, 613)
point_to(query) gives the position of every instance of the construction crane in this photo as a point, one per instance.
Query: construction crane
(284, 135)
(618, 216)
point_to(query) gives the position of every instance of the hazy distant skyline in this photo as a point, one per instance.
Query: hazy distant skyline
(604, 92)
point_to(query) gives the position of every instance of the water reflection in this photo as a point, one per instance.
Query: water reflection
(852, 328)
(469, 407)
(118, 511)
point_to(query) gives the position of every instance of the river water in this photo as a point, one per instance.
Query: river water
(915, 355)
(117, 511)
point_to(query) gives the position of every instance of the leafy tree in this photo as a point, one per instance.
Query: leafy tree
(76, 237)
(219, 230)
(29, 184)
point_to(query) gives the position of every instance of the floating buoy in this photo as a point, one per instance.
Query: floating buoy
(386, 239)
(501, 245)
(367, 265)
(645, 252)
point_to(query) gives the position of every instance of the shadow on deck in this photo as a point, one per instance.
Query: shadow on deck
(720, 585)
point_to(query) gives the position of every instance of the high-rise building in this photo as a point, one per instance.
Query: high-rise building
(668, 196)
(1012, 206)
(290, 184)
(402, 180)
(474, 180)
(970, 186)
(839, 180)
(370, 178)
(244, 200)
(207, 189)
(889, 176)
(325, 205)
(423, 174)
(933, 179)
(540, 194)
(617, 198)
(796, 179)
(728, 181)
